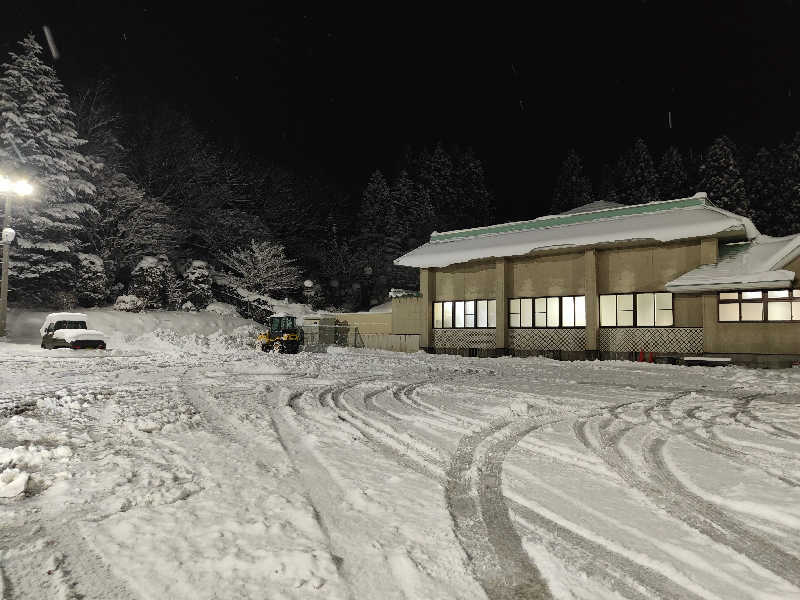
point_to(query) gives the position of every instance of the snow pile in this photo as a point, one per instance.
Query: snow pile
(12, 482)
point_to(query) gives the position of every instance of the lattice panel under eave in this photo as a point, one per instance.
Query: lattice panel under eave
(547, 339)
(681, 340)
(464, 338)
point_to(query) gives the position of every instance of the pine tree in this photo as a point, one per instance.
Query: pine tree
(573, 188)
(721, 178)
(764, 186)
(636, 178)
(673, 181)
(475, 204)
(39, 139)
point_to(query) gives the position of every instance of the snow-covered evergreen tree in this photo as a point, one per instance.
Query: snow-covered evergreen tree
(153, 281)
(196, 284)
(673, 181)
(721, 177)
(38, 138)
(92, 286)
(636, 178)
(763, 180)
(573, 188)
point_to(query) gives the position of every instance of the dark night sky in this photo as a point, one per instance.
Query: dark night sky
(342, 92)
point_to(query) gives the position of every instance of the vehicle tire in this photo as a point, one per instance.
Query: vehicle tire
(43, 346)
(264, 348)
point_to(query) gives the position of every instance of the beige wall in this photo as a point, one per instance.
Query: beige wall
(366, 322)
(645, 269)
(408, 315)
(750, 338)
(687, 310)
(465, 281)
(553, 275)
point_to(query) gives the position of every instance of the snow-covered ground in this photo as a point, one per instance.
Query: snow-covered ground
(185, 464)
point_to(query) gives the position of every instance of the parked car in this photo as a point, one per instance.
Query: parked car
(69, 330)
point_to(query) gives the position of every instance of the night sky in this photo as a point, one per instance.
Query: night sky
(342, 92)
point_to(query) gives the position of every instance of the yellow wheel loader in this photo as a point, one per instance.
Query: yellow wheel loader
(283, 335)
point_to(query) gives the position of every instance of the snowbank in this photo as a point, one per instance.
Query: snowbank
(123, 329)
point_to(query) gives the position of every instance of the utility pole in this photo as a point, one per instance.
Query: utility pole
(4, 282)
(8, 188)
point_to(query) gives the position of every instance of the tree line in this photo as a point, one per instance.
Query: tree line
(143, 207)
(762, 183)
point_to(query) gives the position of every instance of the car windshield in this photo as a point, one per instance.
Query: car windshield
(70, 325)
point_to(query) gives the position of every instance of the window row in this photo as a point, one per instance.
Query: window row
(644, 310)
(552, 311)
(465, 313)
(772, 305)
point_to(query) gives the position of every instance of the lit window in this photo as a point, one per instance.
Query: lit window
(664, 316)
(513, 312)
(459, 314)
(482, 320)
(447, 315)
(552, 312)
(540, 312)
(752, 311)
(580, 311)
(779, 311)
(568, 311)
(469, 313)
(573, 311)
(729, 311)
(491, 311)
(778, 294)
(645, 310)
(729, 295)
(608, 311)
(752, 295)
(624, 310)
(437, 315)
(526, 312)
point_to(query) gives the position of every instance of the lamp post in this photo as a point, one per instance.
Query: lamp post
(8, 188)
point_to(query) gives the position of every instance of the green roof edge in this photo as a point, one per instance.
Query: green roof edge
(570, 219)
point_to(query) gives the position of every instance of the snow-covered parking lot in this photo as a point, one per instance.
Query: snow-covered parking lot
(195, 470)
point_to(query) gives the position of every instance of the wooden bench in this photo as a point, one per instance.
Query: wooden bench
(706, 361)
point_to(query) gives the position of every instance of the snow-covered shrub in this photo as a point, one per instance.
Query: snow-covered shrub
(129, 304)
(154, 281)
(188, 306)
(197, 284)
(263, 267)
(92, 287)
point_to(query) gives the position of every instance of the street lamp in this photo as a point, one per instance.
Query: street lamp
(9, 188)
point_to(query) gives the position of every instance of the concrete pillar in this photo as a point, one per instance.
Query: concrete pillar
(592, 300)
(427, 287)
(709, 251)
(501, 295)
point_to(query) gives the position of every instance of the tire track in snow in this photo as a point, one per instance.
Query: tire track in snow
(708, 519)
(666, 491)
(628, 578)
(480, 516)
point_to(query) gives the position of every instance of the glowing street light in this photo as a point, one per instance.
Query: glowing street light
(9, 189)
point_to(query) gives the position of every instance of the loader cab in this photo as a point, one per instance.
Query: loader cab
(281, 324)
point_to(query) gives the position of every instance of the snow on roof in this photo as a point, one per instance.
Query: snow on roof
(747, 265)
(65, 316)
(593, 207)
(664, 221)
